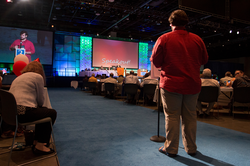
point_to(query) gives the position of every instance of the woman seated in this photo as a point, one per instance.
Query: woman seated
(28, 90)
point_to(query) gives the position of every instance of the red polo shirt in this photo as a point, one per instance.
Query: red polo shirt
(180, 55)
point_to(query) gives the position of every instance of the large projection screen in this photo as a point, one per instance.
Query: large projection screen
(108, 53)
(42, 40)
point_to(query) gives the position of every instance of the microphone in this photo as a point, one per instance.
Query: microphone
(21, 44)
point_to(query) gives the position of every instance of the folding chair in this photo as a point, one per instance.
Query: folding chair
(209, 94)
(131, 89)
(241, 95)
(148, 89)
(9, 115)
(109, 87)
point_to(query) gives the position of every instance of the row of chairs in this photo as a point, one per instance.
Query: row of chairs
(130, 89)
(210, 94)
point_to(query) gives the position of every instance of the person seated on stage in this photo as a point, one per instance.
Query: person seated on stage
(224, 80)
(241, 80)
(120, 79)
(207, 81)
(101, 68)
(92, 78)
(86, 69)
(28, 90)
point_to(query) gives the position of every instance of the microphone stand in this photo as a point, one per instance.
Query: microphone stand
(158, 138)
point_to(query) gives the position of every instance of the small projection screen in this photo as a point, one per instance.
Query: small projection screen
(108, 53)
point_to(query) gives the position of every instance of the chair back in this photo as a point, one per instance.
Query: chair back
(8, 107)
(8, 79)
(241, 94)
(92, 85)
(209, 94)
(130, 89)
(149, 89)
(109, 86)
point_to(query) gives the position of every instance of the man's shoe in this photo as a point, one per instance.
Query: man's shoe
(192, 154)
(166, 153)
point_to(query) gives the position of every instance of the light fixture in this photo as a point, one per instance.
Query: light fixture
(230, 31)
(238, 32)
(52, 26)
(9, 1)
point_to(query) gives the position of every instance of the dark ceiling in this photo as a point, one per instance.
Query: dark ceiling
(137, 19)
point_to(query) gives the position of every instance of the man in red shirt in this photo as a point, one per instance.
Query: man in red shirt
(180, 55)
(23, 42)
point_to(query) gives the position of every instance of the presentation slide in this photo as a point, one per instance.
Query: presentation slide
(108, 53)
(42, 41)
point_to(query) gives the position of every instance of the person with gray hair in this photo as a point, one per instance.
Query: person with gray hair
(207, 81)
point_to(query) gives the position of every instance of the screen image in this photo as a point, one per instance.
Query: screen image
(42, 41)
(108, 53)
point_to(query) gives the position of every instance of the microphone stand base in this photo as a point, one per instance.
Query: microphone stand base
(157, 138)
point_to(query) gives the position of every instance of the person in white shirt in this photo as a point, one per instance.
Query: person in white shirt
(112, 80)
(131, 79)
(207, 81)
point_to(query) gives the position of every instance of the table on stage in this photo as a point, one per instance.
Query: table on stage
(99, 72)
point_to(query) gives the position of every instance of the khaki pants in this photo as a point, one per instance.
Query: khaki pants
(179, 107)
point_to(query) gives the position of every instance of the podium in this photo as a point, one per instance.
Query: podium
(19, 51)
(120, 71)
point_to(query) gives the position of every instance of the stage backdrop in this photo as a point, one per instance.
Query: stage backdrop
(42, 41)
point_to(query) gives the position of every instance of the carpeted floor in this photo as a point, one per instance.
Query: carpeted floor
(92, 130)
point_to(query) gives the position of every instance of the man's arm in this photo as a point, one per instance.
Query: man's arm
(157, 54)
(32, 49)
(13, 46)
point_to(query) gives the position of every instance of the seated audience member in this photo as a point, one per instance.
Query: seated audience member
(207, 81)
(1, 75)
(103, 78)
(131, 79)
(110, 79)
(148, 80)
(120, 79)
(241, 80)
(224, 80)
(28, 90)
(92, 78)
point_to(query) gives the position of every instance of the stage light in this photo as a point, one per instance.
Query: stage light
(230, 31)
(52, 26)
(9, 1)
(238, 32)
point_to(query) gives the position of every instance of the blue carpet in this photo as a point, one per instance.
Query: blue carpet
(92, 130)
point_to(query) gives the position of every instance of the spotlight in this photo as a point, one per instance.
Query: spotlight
(230, 31)
(238, 32)
(9, 1)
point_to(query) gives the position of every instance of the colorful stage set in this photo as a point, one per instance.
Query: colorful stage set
(80, 55)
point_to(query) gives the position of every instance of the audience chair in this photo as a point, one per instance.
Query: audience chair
(241, 95)
(131, 89)
(109, 87)
(9, 115)
(7, 80)
(92, 87)
(209, 94)
(148, 89)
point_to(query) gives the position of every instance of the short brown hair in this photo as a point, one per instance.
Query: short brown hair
(228, 73)
(178, 18)
(35, 67)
